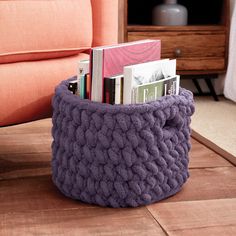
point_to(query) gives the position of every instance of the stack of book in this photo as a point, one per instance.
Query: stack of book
(126, 73)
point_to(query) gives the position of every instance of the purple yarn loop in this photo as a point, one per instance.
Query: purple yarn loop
(120, 155)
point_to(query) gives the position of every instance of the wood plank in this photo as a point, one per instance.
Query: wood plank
(18, 158)
(197, 217)
(202, 183)
(25, 143)
(24, 172)
(39, 126)
(122, 20)
(207, 64)
(84, 221)
(200, 72)
(209, 183)
(37, 193)
(25, 150)
(200, 44)
(201, 157)
(186, 28)
(197, 44)
(228, 230)
(197, 50)
(24, 165)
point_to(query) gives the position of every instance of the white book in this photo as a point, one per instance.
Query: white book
(143, 73)
(83, 68)
(118, 90)
(97, 74)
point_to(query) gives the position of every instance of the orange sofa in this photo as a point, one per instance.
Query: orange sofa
(41, 43)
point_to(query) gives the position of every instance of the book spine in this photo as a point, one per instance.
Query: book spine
(83, 86)
(177, 84)
(134, 96)
(112, 91)
(88, 86)
(109, 90)
(119, 90)
(91, 63)
(122, 91)
(127, 92)
(97, 76)
(83, 68)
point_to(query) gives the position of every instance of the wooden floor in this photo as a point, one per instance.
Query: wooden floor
(31, 205)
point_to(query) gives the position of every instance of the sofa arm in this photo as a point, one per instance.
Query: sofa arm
(107, 15)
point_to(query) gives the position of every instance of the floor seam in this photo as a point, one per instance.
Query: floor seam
(163, 229)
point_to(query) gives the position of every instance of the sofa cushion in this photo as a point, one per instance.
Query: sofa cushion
(30, 98)
(33, 30)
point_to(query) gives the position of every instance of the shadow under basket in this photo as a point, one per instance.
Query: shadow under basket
(120, 155)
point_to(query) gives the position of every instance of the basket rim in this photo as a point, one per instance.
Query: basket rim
(185, 98)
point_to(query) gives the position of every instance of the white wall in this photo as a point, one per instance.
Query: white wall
(219, 83)
(232, 3)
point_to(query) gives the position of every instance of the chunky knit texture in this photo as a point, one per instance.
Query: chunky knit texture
(120, 155)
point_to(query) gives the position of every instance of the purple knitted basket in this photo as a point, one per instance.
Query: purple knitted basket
(120, 155)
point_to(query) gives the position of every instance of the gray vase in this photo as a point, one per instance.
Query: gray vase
(169, 13)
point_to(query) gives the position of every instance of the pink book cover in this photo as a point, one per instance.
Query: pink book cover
(114, 59)
(118, 56)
